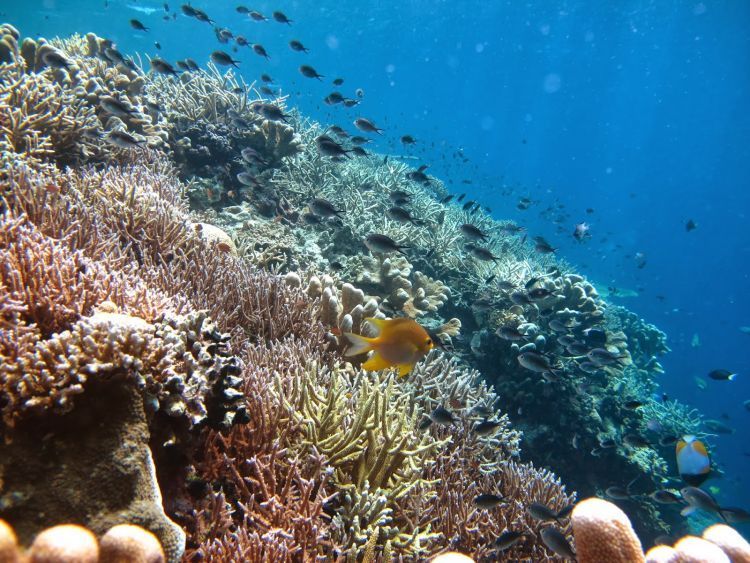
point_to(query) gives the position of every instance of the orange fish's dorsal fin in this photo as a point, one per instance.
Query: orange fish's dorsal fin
(380, 324)
(404, 369)
(376, 363)
(358, 344)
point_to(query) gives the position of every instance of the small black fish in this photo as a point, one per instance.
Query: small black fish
(224, 59)
(487, 500)
(271, 112)
(635, 441)
(257, 16)
(487, 427)
(383, 244)
(329, 147)
(310, 72)
(137, 25)
(295, 45)
(402, 215)
(460, 198)
(333, 98)
(258, 49)
(243, 10)
(161, 66)
(508, 539)
(481, 253)
(541, 512)
(555, 540)
(690, 225)
(324, 208)
(157, 45)
(565, 511)
(722, 375)
(472, 232)
(266, 78)
(123, 140)
(468, 205)
(201, 16)
(633, 404)
(441, 415)
(338, 81)
(408, 140)
(367, 126)
(447, 198)
(281, 18)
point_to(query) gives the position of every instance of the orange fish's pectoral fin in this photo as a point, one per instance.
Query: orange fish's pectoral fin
(376, 363)
(358, 344)
(404, 369)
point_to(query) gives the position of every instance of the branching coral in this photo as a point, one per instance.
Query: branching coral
(211, 120)
(366, 431)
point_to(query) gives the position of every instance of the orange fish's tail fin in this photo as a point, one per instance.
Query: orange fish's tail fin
(358, 344)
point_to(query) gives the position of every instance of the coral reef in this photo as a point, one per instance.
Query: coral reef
(171, 324)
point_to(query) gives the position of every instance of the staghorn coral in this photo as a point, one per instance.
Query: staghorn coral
(366, 432)
(182, 362)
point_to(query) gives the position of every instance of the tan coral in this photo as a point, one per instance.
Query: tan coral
(126, 543)
(691, 549)
(216, 237)
(66, 543)
(8, 544)
(730, 541)
(603, 533)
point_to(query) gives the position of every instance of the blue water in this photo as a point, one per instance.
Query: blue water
(639, 111)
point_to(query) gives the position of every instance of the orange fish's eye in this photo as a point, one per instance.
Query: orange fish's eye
(428, 342)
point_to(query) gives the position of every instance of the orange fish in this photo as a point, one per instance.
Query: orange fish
(400, 343)
(693, 463)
